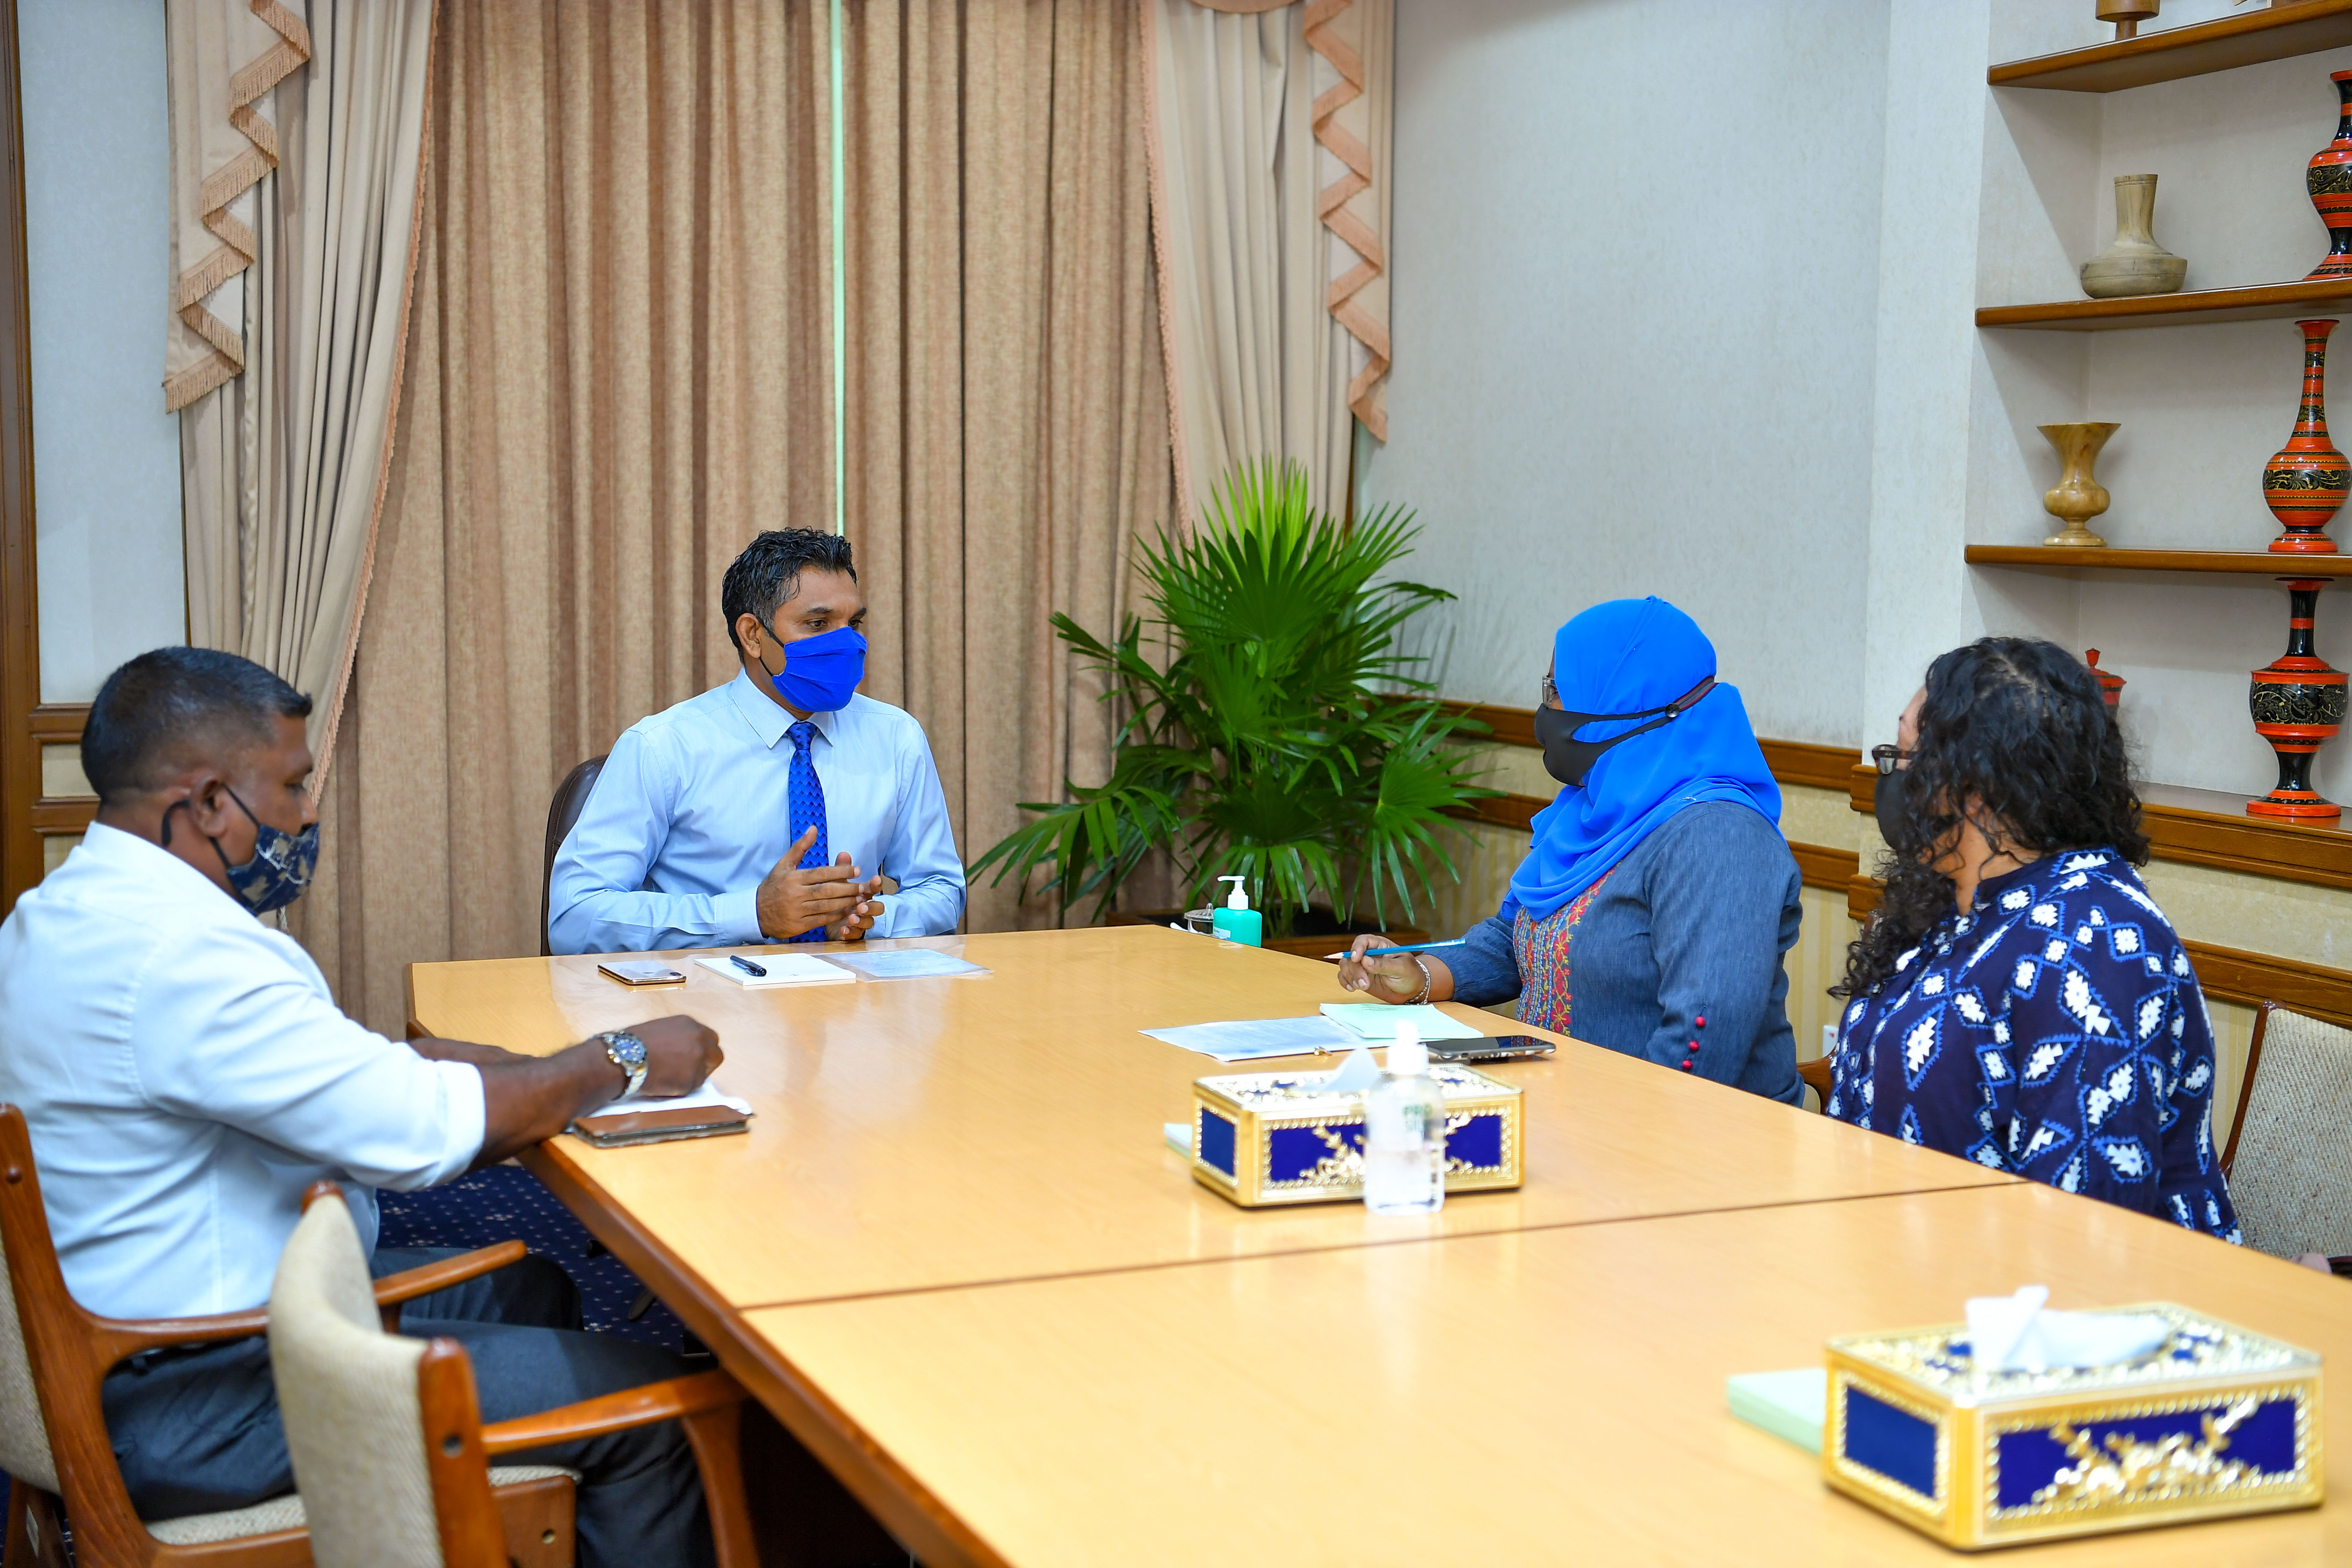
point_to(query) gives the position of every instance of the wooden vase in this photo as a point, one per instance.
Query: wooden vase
(2305, 481)
(2329, 178)
(2297, 702)
(2078, 497)
(2127, 15)
(2134, 263)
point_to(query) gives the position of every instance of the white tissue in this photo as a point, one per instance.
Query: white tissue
(2014, 1334)
(1357, 1074)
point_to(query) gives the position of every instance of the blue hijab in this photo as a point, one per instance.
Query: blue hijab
(1623, 657)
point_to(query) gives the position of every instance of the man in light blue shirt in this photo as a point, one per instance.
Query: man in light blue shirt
(768, 809)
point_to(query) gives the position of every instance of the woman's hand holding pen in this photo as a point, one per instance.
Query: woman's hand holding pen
(1395, 979)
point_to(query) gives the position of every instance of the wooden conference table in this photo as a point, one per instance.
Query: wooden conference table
(955, 1257)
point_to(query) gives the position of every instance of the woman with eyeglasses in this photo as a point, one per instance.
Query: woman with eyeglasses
(2017, 998)
(1652, 912)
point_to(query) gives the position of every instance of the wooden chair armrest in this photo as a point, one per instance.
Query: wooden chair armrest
(411, 1283)
(668, 1401)
(120, 1338)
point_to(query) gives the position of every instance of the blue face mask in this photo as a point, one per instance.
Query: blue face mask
(821, 673)
(281, 867)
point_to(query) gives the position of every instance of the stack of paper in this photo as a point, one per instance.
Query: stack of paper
(906, 963)
(1378, 1021)
(1247, 1039)
(783, 969)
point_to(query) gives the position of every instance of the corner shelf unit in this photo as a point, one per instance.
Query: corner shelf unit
(2254, 563)
(2261, 303)
(2278, 33)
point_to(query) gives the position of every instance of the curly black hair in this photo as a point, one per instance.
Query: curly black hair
(2016, 733)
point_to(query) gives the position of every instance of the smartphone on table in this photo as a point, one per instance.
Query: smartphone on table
(1498, 1049)
(641, 971)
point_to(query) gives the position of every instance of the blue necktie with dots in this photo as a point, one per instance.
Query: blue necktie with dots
(807, 796)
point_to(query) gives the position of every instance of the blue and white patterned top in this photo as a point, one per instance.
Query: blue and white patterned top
(2057, 1032)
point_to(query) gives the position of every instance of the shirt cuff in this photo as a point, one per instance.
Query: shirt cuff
(468, 1102)
(737, 916)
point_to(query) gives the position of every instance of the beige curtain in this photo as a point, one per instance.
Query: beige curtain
(224, 58)
(1007, 417)
(1270, 136)
(618, 374)
(283, 468)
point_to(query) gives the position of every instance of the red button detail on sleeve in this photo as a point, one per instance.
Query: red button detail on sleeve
(1702, 1020)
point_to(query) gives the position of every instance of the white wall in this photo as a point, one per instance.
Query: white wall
(1636, 259)
(106, 462)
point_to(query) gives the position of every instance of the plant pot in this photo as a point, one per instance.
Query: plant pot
(1314, 933)
(2134, 263)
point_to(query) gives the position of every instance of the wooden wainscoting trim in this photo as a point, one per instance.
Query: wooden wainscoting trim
(2210, 827)
(2231, 973)
(1814, 767)
(1822, 866)
(1511, 726)
(1791, 761)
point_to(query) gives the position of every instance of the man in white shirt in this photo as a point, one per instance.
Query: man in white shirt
(767, 809)
(186, 1076)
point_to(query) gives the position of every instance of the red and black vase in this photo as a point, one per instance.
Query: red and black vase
(2111, 685)
(2329, 180)
(2305, 482)
(2298, 706)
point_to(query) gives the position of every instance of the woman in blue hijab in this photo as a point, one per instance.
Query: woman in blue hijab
(1652, 910)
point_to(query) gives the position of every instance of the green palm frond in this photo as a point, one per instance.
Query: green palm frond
(1287, 730)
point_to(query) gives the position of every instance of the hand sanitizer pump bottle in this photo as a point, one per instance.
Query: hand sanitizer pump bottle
(1405, 1133)
(1237, 921)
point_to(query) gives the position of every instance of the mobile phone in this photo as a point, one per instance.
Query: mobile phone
(1501, 1048)
(641, 971)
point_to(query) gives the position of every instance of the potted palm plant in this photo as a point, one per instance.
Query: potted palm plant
(1280, 734)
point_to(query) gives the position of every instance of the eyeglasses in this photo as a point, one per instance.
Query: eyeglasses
(1551, 692)
(1888, 758)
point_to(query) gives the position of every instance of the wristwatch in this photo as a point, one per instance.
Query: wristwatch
(628, 1053)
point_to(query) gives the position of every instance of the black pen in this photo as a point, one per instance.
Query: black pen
(740, 961)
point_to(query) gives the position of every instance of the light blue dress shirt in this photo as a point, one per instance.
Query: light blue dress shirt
(186, 1076)
(692, 811)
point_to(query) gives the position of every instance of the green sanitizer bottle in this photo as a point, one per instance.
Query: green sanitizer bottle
(1237, 921)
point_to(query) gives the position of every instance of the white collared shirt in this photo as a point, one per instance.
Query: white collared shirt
(693, 808)
(186, 1076)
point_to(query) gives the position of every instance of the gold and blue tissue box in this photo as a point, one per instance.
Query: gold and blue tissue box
(1266, 1137)
(2217, 1421)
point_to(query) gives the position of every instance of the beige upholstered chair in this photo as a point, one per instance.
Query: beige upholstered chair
(388, 1445)
(54, 1355)
(2290, 1156)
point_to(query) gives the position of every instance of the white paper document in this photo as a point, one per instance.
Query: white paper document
(906, 963)
(707, 1098)
(1247, 1039)
(1378, 1021)
(783, 969)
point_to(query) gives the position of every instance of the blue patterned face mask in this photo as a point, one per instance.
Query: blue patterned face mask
(281, 867)
(821, 673)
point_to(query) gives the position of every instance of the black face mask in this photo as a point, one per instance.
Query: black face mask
(1886, 804)
(1568, 758)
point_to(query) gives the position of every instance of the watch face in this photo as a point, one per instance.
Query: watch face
(627, 1050)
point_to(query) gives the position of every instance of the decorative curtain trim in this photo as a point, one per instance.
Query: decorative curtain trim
(324, 754)
(222, 186)
(1371, 330)
(1367, 327)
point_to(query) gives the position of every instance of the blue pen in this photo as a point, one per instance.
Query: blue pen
(740, 961)
(1407, 947)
